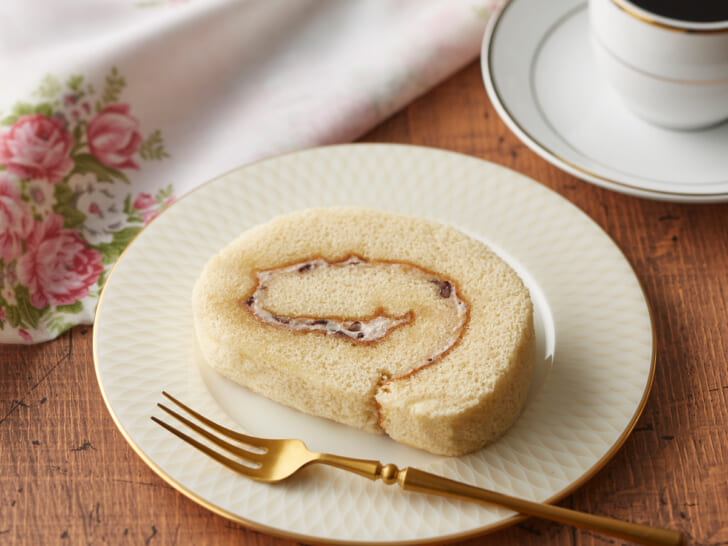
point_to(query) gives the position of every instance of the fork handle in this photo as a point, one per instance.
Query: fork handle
(413, 479)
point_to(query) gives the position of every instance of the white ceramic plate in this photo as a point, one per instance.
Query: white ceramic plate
(541, 75)
(594, 330)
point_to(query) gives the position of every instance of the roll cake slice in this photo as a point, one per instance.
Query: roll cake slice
(389, 323)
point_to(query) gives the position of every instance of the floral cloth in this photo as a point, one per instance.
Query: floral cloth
(110, 111)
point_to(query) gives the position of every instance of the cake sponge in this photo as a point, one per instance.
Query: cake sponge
(389, 323)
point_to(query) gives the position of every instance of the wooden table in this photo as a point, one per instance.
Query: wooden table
(68, 476)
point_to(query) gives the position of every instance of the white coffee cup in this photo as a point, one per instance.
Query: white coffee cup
(671, 73)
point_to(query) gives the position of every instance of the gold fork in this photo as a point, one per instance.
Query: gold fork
(267, 460)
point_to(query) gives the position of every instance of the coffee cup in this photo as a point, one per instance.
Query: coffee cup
(667, 60)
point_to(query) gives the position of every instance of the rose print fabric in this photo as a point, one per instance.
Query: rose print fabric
(66, 207)
(109, 112)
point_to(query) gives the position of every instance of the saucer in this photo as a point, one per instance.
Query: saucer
(541, 74)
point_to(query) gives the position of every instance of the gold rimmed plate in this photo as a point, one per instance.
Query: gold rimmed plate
(542, 77)
(594, 366)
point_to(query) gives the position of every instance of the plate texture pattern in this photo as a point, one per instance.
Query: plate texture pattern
(578, 414)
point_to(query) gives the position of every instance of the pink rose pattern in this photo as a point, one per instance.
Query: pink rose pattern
(144, 201)
(15, 221)
(113, 137)
(61, 162)
(149, 207)
(37, 147)
(59, 267)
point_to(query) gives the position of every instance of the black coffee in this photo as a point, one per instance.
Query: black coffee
(693, 11)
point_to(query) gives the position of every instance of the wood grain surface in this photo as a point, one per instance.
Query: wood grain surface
(68, 477)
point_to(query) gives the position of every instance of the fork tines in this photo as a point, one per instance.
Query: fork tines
(249, 456)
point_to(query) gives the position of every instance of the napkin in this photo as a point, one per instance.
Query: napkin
(110, 111)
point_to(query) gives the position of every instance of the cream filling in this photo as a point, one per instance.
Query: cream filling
(367, 330)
